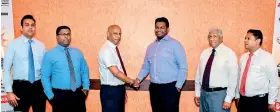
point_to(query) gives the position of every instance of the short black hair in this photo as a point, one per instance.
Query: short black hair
(162, 19)
(257, 34)
(60, 28)
(27, 17)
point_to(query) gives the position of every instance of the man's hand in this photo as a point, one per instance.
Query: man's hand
(271, 107)
(236, 102)
(178, 89)
(136, 83)
(226, 105)
(12, 99)
(197, 101)
(85, 92)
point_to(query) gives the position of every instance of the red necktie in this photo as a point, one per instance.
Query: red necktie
(244, 77)
(120, 58)
(119, 55)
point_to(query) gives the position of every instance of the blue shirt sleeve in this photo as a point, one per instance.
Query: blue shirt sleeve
(145, 70)
(84, 74)
(181, 60)
(46, 75)
(8, 62)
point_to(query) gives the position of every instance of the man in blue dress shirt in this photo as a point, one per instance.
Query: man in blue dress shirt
(24, 56)
(65, 75)
(165, 61)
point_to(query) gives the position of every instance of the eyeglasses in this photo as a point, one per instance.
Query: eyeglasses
(65, 34)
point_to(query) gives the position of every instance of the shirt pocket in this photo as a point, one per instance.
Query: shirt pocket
(257, 68)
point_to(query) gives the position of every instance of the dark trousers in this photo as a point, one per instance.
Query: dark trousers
(164, 97)
(112, 98)
(30, 95)
(68, 101)
(253, 104)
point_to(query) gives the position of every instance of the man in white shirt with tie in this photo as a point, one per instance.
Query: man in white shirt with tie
(216, 76)
(24, 56)
(258, 80)
(112, 73)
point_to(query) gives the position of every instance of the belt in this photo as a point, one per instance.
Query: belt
(26, 81)
(173, 82)
(66, 90)
(112, 85)
(256, 96)
(214, 89)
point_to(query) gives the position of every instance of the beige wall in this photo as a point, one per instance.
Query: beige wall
(189, 23)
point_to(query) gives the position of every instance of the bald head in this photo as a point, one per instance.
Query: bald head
(114, 33)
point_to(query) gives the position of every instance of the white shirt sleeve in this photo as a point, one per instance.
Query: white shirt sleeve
(272, 74)
(109, 58)
(233, 74)
(197, 83)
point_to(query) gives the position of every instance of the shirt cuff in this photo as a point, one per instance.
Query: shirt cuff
(8, 89)
(237, 96)
(179, 85)
(50, 96)
(271, 101)
(228, 99)
(85, 88)
(140, 78)
(197, 93)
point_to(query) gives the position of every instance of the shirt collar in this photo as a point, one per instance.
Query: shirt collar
(257, 52)
(219, 47)
(166, 38)
(111, 44)
(63, 48)
(25, 39)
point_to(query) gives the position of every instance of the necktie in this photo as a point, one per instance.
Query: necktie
(244, 77)
(207, 70)
(71, 68)
(119, 55)
(31, 70)
(120, 58)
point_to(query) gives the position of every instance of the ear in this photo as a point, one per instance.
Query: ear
(167, 30)
(258, 41)
(21, 28)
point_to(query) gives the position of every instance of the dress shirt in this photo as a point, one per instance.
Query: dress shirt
(108, 57)
(224, 71)
(165, 61)
(262, 75)
(16, 58)
(56, 72)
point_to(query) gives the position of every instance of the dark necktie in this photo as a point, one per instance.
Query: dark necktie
(31, 70)
(207, 70)
(119, 55)
(120, 58)
(72, 72)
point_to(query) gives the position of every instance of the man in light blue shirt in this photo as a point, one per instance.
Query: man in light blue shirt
(165, 61)
(24, 56)
(65, 75)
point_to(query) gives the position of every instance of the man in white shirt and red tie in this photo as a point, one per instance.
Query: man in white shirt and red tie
(258, 80)
(113, 75)
(216, 76)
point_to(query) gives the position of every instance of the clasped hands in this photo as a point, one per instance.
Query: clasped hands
(135, 84)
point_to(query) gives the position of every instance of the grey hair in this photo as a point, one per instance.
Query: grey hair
(219, 31)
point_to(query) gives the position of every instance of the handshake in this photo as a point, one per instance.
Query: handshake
(135, 83)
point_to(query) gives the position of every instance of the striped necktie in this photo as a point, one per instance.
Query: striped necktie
(72, 72)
